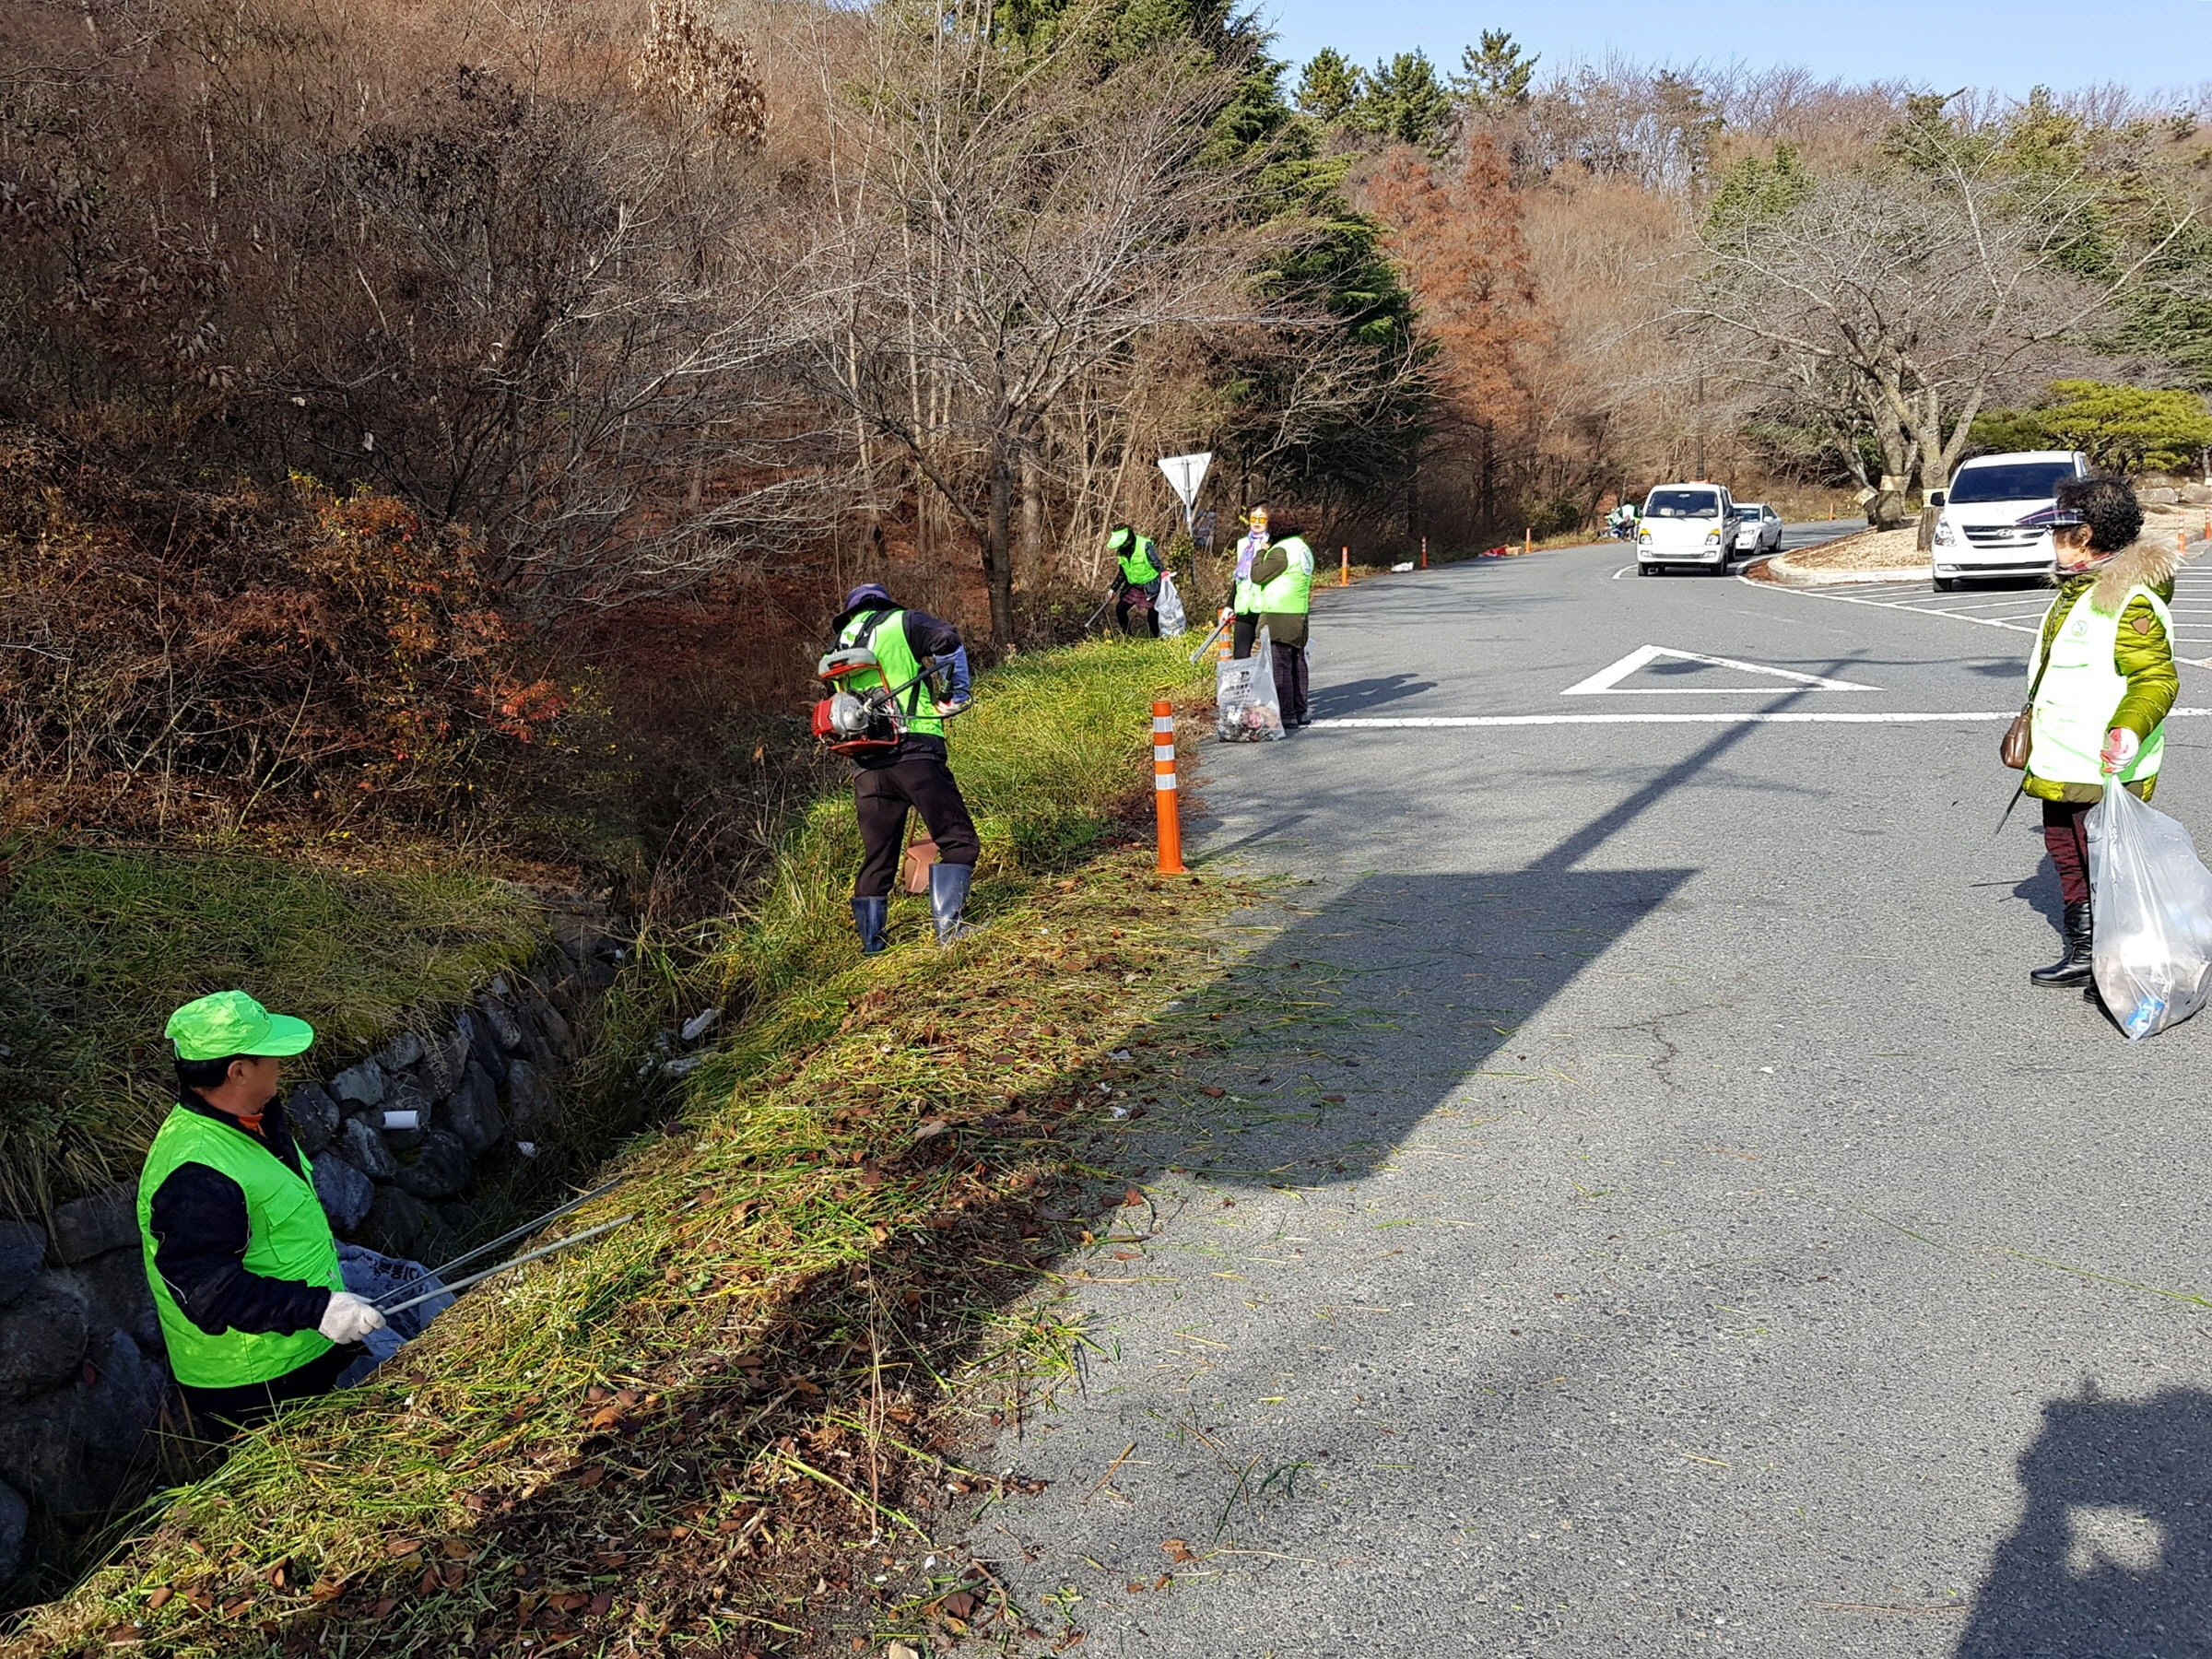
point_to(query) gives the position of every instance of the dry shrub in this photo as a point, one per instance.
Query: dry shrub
(178, 651)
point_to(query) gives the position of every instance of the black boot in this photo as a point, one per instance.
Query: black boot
(870, 916)
(947, 898)
(2074, 967)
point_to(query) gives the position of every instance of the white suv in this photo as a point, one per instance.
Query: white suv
(1687, 525)
(1979, 532)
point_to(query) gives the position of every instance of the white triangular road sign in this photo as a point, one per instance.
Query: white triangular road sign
(1185, 473)
(1605, 682)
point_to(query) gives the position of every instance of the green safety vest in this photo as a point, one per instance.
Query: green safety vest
(884, 632)
(288, 1237)
(2081, 691)
(1289, 594)
(1138, 566)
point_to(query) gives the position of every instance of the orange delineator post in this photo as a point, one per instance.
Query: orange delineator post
(1163, 789)
(1424, 552)
(1344, 570)
(1528, 539)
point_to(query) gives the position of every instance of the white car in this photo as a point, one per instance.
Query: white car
(1695, 524)
(1761, 529)
(1979, 532)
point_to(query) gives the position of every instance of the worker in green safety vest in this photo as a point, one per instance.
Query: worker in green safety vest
(241, 1258)
(914, 771)
(1277, 594)
(1135, 578)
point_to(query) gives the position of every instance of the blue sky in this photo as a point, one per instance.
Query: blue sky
(2143, 43)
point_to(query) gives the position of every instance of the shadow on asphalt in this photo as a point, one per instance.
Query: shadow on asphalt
(2112, 1559)
(1360, 697)
(1353, 1024)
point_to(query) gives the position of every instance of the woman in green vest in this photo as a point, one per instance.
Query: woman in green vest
(1136, 577)
(239, 1256)
(2101, 678)
(1276, 596)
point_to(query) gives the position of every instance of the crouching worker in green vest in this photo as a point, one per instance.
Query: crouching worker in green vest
(1276, 594)
(1136, 581)
(242, 1262)
(912, 773)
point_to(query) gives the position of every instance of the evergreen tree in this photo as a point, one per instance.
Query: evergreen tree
(1330, 88)
(1406, 102)
(1494, 75)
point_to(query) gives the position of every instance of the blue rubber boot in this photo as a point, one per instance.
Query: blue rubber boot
(870, 916)
(947, 898)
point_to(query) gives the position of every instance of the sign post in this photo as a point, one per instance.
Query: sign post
(1185, 473)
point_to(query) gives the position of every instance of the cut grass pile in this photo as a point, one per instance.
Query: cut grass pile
(97, 946)
(710, 1429)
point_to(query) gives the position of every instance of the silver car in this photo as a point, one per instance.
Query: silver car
(1758, 528)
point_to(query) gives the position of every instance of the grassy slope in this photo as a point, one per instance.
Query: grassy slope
(668, 1439)
(97, 946)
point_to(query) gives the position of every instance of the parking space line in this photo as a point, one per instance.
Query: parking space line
(1372, 723)
(2021, 613)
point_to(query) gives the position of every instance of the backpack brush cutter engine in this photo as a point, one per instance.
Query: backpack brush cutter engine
(860, 722)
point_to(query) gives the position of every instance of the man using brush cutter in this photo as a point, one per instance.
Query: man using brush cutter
(918, 664)
(246, 1273)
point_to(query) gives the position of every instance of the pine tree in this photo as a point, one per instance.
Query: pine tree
(1494, 75)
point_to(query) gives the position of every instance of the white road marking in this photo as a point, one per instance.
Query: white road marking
(1605, 682)
(2021, 611)
(1426, 721)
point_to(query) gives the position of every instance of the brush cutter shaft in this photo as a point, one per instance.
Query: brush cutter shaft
(473, 1278)
(523, 1231)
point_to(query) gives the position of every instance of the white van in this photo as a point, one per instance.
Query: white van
(1687, 524)
(1979, 531)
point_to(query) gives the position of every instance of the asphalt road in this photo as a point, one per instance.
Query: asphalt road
(1718, 1247)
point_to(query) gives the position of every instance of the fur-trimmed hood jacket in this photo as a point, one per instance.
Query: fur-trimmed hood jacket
(2142, 652)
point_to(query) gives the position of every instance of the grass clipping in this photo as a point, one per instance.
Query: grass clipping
(668, 1439)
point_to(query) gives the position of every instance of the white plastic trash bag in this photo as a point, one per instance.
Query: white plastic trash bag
(2153, 910)
(1246, 708)
(1172, 622)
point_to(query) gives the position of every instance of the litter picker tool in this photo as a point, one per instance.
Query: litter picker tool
(473, 1278)
(523, 1231)
(1097, 613)
(1205, 644)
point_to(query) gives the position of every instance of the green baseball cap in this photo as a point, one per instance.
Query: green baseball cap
(230, 1023)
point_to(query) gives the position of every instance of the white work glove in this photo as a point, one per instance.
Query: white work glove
(2120, 747)
(349, 1317)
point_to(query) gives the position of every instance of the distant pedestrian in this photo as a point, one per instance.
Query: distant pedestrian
(2101, 678)
(1136, 579)
(1276, 596)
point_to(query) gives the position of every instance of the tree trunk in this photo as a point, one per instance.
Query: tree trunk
(998, 560)
(1033, 511)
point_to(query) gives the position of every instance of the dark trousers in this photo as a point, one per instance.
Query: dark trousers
(2066, 839)
(1291, 682)
(1242, 632)
(1142, 599)
(881, 799)
(218, 1412)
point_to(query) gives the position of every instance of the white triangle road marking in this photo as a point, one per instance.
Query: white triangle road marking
(1605, 682)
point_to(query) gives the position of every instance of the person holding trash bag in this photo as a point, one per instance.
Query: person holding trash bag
(1136, 581)
(1277, 594)
(914, 771)
(2101, 678)
(1242, 594)
(240, 1259)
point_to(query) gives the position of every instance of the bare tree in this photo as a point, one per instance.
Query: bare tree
(1915, 290)
(1014, 219)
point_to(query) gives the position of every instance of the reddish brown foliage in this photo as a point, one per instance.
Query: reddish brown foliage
(202, 653)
